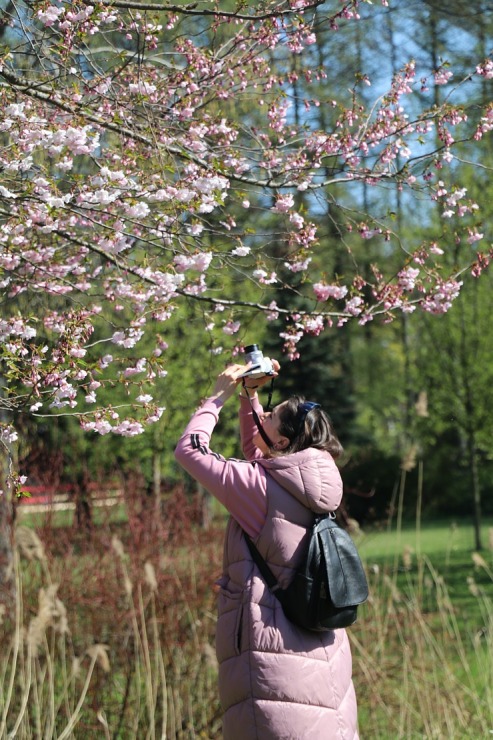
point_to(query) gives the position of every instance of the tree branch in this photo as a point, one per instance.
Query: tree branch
(192, 10)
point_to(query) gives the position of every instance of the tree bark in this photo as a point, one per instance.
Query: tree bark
(476, 491)
(7, 580)
(156, 486)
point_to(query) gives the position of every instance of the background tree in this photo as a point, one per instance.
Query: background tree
(179, 181)
(114, 126)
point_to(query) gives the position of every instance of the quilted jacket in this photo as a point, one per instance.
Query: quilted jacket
(276, 681)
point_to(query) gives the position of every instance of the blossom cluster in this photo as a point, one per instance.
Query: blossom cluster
(128, 184)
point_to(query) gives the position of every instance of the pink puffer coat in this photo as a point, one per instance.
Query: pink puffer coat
(276, 681)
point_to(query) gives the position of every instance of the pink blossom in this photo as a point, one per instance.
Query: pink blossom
(138, 210)
(64, 395)
(485, 69)
(241, 251)
(407, 278)
(259, 274)
(16, 110)
(156, 415)
(199, 261)
(442, 76)
(196, 229)
(435, 249)
(209, 184)
(291, 339)
(298, 266)
(140, 367)
(457, 195)
(314, 325)
(8, 435)
(263, 277)
(196, 288)
(50, 15)
(128, 428)
(127, 339)
(105, 361)
(100, 426)
(297, 220)
(142, 88)
(231, 327)
(283, 204)
(440, 301)
(354, 306)
(323, 292)
(272, 314)
(474, 236)
(78, 352)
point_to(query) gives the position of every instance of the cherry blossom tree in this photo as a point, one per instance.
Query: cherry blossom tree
(146, 146)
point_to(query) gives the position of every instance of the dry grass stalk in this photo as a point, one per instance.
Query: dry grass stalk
(393, 590)
(421, 405)
(409, 459)
(473, 586)
(127, 585)
(99, 653)
(150, 576)
(117, 546)
(75, 716)
(29, 544)
(407, 557)
(76, 667)
(210, 656)
(51, 613)
(479, 561)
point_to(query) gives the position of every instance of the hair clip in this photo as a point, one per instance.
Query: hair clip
(302, 412)
(307, 406)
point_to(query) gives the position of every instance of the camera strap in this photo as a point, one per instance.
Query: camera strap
(256, 419)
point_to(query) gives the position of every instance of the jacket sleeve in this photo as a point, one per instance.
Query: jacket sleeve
(239, 485)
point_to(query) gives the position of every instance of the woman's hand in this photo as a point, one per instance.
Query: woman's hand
(233, 375)
(254, 383)
(227, 381)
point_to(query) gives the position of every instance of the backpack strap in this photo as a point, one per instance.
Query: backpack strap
(264, 569)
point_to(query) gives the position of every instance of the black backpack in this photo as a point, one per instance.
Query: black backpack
(329, 585)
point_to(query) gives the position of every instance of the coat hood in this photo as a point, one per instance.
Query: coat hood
(311, 476)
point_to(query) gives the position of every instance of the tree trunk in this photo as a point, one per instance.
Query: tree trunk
(83, 504)
(156, 485)
(205, 499)
(7, 580)
(476, 491)
(7, 458)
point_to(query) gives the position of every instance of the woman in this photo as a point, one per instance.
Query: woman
(276, 681)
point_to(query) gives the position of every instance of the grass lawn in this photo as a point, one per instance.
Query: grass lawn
(437, 537)
(422, 646)
(439, 551)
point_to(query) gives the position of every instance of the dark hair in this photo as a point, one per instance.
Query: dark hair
(312, 428)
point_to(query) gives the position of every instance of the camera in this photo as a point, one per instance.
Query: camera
(260, 365)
